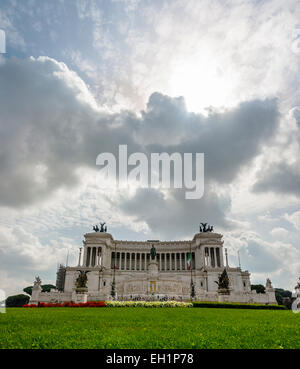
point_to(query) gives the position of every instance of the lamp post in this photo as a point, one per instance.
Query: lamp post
(113, 285)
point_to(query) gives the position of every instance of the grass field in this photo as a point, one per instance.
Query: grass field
(148, 328)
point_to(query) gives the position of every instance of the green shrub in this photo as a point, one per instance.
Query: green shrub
(283, 297)
(235, 305)
(45, 288)
(17, 300)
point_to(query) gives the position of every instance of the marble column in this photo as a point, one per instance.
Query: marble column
(94, 256)
(215, 257)
(85, 256)
(88, 256)
(226, 256)
(97, 256)
(79, 258)
(221, 257)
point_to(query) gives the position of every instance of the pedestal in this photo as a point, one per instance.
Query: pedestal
(35, 295)
(80, 295)
(152, 277)
(153, 269)
(270, 292)
(81, 289)
(223, 295)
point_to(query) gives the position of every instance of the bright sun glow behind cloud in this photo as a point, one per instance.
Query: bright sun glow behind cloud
(203, 82)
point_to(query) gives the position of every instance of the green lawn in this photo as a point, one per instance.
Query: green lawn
(148, 328)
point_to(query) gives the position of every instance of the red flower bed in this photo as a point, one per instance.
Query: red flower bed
(68, 304)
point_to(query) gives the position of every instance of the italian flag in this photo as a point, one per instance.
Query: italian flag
(189, 261)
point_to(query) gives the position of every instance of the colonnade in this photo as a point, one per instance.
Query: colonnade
(212, 257)
(93, 256)
(140, 260)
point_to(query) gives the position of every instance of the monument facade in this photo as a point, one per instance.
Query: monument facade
(154, 270)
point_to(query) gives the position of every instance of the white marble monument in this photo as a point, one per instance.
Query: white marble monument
(168, 274)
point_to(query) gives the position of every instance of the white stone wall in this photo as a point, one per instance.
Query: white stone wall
(52, 297)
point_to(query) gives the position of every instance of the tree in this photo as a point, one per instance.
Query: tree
(283, 297)
(17, 300)
(45, 288)
(259, 288)
(28, 290)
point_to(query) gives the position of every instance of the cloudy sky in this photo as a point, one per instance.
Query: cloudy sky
(80, 77)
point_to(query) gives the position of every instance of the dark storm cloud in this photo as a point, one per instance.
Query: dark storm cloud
(50, 126)
(229, 140)
(48, 130)
(174, 216)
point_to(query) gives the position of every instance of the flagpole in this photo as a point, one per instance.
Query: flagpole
(191, 262)
(114, 273)
(191, 266)
(67, 258)
(115, 262)
(239, 258)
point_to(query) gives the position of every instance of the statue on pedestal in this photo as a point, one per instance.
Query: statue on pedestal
(269, 283)
(37, 281)
(153, 252)
(297, 289)
(36, 290)
(223, 283)
(81, 281)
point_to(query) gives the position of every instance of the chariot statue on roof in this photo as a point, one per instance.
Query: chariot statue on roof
(103, 227)
(205, 228)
